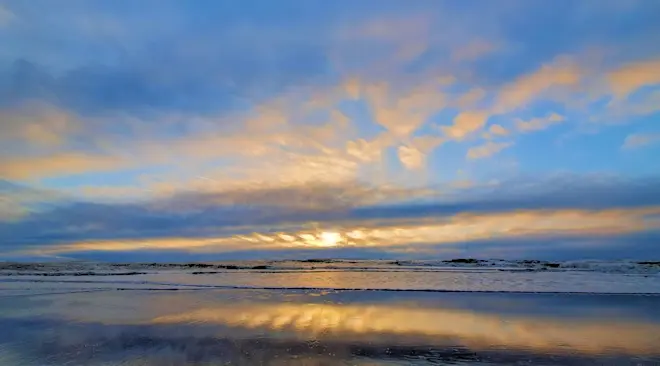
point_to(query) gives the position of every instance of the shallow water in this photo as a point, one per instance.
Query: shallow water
(468, 280)
(206, 326)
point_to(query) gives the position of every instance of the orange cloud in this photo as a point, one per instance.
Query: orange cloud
(57, 165)
(368, 151)
(352, 87)
(498, 130)
(536, 124)
(631, 77)
(465, 124)
(411, 157)
(414, 153)
(486, 150)
(402, 110)
(396, 232)
(38, 125)
(473, 50)
(400, 39)
(560, 73)
(471, 98)
(270, 143)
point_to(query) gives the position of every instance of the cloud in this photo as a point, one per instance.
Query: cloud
(465, 124)
(11, 208)
(306, 120)
(38, 124)
(26, 167)
(630, 77)
(196, 213)
(557, 191)
(639, 140)
(17, 202)
(411, 158)
(498, 130)
(471, 98)
(487, 150)
(536, 124)
(413, 155)
(6, 16)
(184, 76)
(390, 28)
(630, 110)
(393, 39)
(321, 197)
(403, 109)
(645, 106)
(460, 228)
(273, 143)
(223, 218)
(561, 73)
(473, 50)
(495, 130)
(299, 149)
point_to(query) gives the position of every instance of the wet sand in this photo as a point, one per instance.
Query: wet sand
(326, 327)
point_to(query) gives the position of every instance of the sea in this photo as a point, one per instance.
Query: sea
(330, 312)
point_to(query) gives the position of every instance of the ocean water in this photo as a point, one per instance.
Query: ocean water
(333, 315)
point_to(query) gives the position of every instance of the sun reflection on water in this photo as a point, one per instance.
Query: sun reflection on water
(370, 323)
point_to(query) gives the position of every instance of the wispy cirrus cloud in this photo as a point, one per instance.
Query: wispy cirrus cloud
(556, 76)
(473, 50)
(36, 124)
(640, 139)
(630, 77)
(541, 123)
(6, 16)
(486, 150)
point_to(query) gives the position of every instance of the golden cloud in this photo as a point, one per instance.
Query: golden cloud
(486, 150)
(397, 232)
(498, 130)
(536, 124)
(31, 167)
(562, 72)
(411, 157)
(38, 125)
(633, 76)
(465, 124)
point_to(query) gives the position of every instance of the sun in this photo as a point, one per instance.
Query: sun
(330, 239)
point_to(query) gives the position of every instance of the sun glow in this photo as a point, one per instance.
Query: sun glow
(382, 323)
(330, 239)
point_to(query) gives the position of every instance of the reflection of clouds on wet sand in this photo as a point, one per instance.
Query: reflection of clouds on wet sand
(248, 327)
(471, 329)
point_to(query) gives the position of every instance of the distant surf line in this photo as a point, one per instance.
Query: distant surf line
(183, 287)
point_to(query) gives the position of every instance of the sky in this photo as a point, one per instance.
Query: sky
(171, 130)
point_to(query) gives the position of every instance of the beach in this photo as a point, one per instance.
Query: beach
(333, 313)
